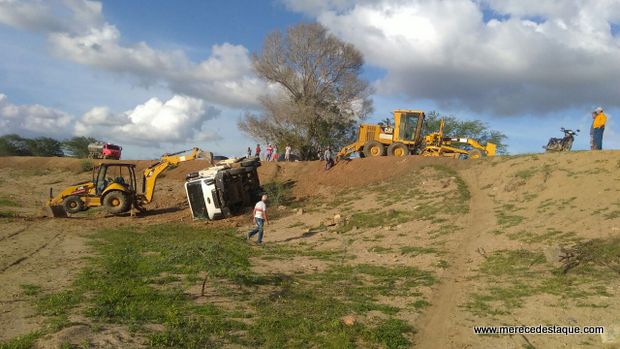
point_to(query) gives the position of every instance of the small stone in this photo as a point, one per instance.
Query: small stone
(281, 208)
(337, 218)
(300, 211)
(348, 320)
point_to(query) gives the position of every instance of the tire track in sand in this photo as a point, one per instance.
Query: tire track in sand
(439, 327)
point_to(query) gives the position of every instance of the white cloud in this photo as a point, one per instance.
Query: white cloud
(51, 15)
(537, 57)
(34, 120)
(78, 32)
(180, 119)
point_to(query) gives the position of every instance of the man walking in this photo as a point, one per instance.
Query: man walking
(257, 154)
(260, 218)
(598, 128)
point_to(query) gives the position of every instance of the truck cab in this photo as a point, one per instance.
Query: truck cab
(111, 151)
(223, 190)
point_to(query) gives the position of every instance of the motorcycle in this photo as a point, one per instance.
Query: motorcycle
(562, 144)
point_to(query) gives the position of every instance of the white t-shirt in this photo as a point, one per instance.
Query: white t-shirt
(287, 150)
(259, 209)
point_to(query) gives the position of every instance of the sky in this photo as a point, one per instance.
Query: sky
(160, 76)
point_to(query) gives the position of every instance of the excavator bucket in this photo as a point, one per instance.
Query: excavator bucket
(53, 209)
(56, 211)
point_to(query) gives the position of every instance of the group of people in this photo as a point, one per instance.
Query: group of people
(271, 153)
(599, 119)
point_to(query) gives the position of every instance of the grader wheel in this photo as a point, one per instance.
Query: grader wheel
(397, 149)
(475, 154)
(372, 149)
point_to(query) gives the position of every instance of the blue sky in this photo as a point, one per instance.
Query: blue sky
(158, 76)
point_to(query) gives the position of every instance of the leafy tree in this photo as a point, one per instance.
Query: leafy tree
(44, 146)
(14, 145)
(319, 98)
(476, 129)
(78, 146)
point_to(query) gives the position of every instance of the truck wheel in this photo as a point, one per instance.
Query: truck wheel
(374, 148)
(397, 149)
(73, 204)
(116, 202)
(475, 154)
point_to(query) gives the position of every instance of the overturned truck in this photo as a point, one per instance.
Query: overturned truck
(223, 190)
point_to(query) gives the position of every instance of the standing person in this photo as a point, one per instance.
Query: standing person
(260, 218)
(248, 153)
(268, 152)
(329, 162)
(257, 154)
(592, 131)
(287, 153)
(599, 127)
(274, 156)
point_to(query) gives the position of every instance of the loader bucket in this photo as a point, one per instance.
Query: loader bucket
(53, 209)
(56, 211)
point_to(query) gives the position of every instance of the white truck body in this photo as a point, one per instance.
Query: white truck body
(224, 190)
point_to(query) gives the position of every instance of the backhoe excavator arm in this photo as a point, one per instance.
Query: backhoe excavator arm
(150, 174)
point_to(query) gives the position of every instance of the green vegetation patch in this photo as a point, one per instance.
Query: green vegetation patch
(506, 220)
(515, 275)
(4, 201)
(8, 214)
(140, 277)
(22, 342)
(372, 219)
(526, 174)
(549, 236)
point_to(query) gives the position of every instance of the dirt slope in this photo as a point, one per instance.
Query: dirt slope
(495, 259)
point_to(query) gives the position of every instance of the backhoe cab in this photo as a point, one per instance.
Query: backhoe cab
(114, 186)
(405, 138)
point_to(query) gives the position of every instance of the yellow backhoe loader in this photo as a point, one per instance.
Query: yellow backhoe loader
(405, 138)
(114, 186)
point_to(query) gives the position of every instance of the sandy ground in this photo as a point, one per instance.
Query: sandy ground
(583, 186)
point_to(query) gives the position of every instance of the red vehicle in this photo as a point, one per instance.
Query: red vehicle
(102, 150)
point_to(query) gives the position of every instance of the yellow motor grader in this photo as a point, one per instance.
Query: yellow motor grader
(405, 138)
(115, 187)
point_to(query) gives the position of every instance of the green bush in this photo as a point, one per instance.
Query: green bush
(86, 165)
